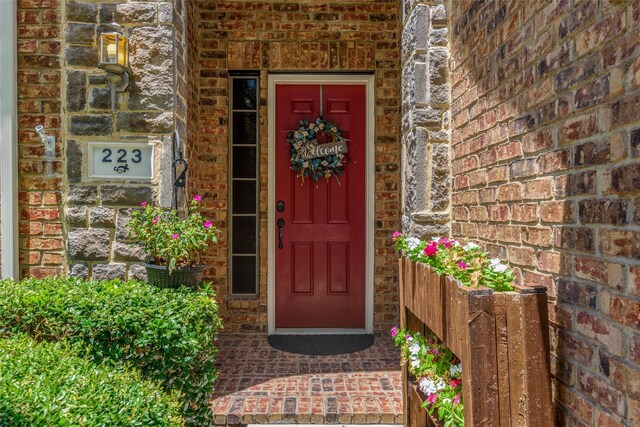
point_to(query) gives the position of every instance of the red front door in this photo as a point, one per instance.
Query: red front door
(320, 269)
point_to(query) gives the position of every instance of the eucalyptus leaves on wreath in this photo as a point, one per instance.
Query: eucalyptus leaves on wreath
(303, 141)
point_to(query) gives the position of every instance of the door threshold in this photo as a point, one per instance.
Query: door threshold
(320, 331)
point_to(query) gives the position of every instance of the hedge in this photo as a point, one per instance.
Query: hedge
(167, 333)
(45, 384)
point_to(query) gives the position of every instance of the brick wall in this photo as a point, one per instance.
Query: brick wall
(41, 247)
(295, 35)
(546, 163)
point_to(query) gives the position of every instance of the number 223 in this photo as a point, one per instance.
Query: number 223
(122, 154)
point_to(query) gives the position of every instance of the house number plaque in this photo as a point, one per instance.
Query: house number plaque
(119, 160)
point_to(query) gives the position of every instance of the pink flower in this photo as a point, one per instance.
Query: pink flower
(431, 249)
(463, 265)
(156, 220)
(175, 236)
(455, 383)
(208, 224)
(394, 331)
(143, 204)
(445, 242)
(197, 198)
(396, 235)
(432, 398)
(456, 400)
(435, 351)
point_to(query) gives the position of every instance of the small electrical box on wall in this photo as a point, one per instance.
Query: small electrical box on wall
(120, 160)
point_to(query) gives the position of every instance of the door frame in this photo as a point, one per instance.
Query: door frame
(368, 81)
(9, 141)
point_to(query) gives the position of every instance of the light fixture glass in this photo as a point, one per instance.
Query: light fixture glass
(114, 58)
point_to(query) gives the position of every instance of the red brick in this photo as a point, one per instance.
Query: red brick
(601, 330)
(596, 270)
(601, 392)
(510, 192)
(522, 255)
(620, 243)
(524, 212)
(577, 128)
(538, 189)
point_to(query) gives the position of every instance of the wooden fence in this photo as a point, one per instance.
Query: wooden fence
(501, 338)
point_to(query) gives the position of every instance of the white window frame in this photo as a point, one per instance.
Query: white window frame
(9, 140)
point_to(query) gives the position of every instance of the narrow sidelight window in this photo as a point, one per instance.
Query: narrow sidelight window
(244, 185)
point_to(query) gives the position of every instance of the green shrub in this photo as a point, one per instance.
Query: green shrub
(45, 384)
(167, 333)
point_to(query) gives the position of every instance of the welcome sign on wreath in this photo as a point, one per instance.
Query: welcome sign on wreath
(312, 159)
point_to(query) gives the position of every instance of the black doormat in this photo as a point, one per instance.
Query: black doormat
(320, 344)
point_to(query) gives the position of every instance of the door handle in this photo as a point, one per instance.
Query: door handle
(280, 229)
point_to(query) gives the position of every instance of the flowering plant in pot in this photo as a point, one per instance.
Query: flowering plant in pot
(174, 245)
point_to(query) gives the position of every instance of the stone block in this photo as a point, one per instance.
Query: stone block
(89, 244)
(82, 195)
(102, 217)
(78, 33)
(79, 270)
(74, 161)
(76, 90)
(122, 231)
(429, 117)
(152, 85)
(137, 272)
(130, 12)
(100, 98)
(81, 12)
(439, 37)
(76, 217)
(129, 252)
(83, 56)
(146, 123)
(126, 195)
(91, 125)
(165, 13)
(108, 271)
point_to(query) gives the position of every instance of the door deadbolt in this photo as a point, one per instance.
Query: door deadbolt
(280, 206)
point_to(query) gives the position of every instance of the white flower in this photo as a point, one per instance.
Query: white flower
(455, 243)
(455, 370)
(414, 349)
(427, 386)
(413, 242)
(415, 364)
(499, 268)
(470, 246)
(440, 385)
(494, 261)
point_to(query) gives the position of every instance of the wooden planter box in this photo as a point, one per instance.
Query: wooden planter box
(502, 340)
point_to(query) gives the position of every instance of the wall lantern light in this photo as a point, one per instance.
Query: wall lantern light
(114, 59)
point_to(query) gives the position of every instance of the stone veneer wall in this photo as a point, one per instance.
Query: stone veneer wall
(426, 172)
(546, 163)
(97, 211)
(308, 35)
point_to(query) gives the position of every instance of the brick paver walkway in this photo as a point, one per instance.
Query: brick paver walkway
(259, 384)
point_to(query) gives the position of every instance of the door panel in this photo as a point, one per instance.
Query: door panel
(320, 269)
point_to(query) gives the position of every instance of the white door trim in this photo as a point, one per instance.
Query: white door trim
(281, 79)
(9, 140)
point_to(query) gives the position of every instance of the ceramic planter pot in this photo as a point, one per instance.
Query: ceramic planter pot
(158, 275)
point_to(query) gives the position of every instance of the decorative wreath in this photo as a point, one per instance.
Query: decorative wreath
(304, 140)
